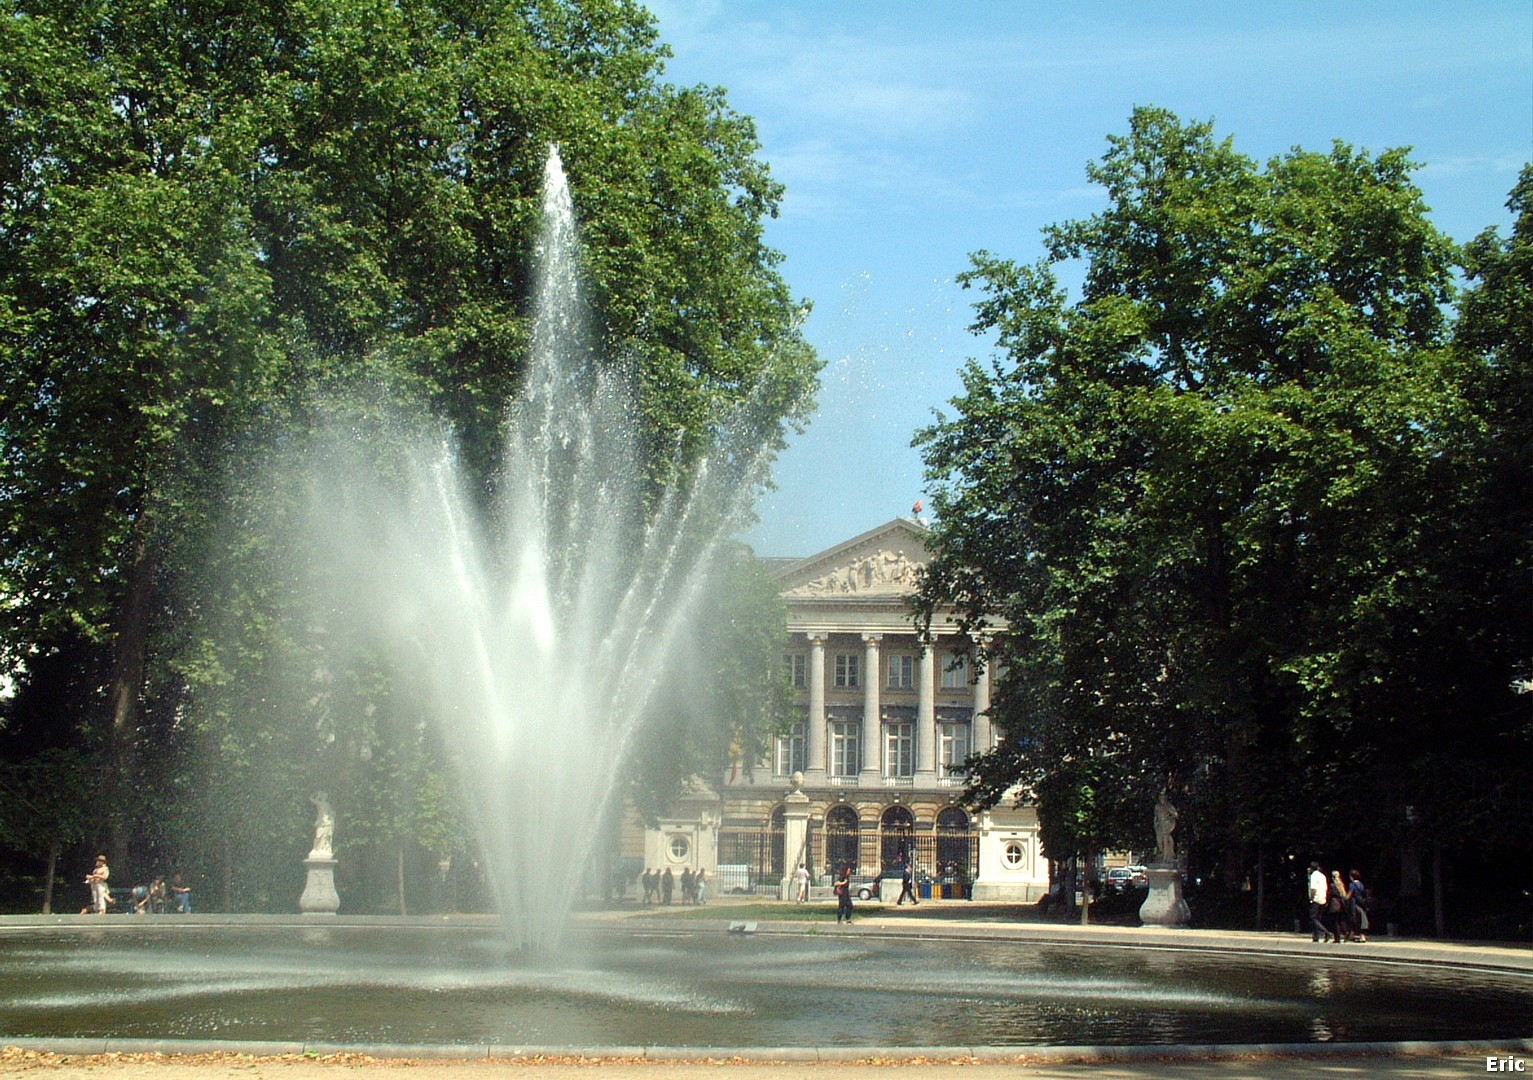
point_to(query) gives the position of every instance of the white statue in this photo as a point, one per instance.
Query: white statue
(324, 826)
(1165, 826)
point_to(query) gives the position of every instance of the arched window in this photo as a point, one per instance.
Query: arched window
(956, 845)
(841, 829)
(896, 837)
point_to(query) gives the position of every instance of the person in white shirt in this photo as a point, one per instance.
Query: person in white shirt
(1317, 891)
(801, 883)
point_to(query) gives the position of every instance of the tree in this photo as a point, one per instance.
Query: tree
(1200, 497)
(210, 218)
(703, 727)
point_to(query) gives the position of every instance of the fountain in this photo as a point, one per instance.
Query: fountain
(537, 647)
(535, 640)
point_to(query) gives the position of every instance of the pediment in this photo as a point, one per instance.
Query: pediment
(880, 562)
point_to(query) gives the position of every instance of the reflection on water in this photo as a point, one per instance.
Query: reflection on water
(462, 985)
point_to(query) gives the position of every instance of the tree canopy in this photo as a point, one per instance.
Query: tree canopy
(1241, 507)
(211, 215)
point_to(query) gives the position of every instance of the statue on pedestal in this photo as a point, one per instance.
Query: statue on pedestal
(319, 895)
(1163, 904)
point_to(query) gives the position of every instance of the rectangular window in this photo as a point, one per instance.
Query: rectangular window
(899, 749)
(798, 669)
(955, 673)
(846, 669)
(790, 753)
(845, 747)
(952, 748)
(902, 672)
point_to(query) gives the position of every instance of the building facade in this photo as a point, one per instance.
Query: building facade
(871, 776)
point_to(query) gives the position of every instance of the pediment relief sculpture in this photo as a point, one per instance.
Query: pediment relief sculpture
(884, 572)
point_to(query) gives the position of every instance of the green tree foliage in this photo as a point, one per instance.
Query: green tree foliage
(212, 215)
(1213, 501)
(736, 675)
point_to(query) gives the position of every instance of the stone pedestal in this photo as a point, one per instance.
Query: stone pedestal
(319, 895)
(795, 820)
(1165, 905)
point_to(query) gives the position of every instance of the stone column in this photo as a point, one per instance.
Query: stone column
(872, 727)
(926, 713)
(814, 735)
(795, 835)
(983, 733)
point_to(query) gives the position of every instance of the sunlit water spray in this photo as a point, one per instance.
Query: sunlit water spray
(536, 635)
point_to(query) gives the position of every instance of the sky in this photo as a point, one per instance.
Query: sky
(911, 133)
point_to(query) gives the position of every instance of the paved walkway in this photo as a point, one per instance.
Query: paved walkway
(1450, 1066)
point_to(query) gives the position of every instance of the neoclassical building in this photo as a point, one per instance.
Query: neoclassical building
(870, 776)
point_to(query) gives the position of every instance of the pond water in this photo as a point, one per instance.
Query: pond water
(463, 985)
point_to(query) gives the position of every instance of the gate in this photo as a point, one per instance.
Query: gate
(759, 851)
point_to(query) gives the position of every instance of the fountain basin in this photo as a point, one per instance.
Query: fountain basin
(459, 984)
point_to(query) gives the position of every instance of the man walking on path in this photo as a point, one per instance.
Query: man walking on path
(1317, 891)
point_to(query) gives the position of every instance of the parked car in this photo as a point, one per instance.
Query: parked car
(1120, 879)
(879, 888)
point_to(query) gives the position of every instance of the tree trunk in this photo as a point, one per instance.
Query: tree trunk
(53, 865)
(1090, 860)
(399, 876)
(129, 645)
(1439, 915)
(1261, 886)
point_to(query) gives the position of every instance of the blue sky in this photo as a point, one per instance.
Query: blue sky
(910, 134)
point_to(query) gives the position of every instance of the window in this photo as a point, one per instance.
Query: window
(902, 672)
(798, 668)
(899, 749)
(952, 748)
(955, 673)
(1013, 854)
(845, 747)
(846, 669)
(681, 847)
(790, 753)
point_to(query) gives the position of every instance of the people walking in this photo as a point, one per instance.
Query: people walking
(1317, 894)
(801, 884)
(667, 886)
(700, 887)
(907, 886)
(688, 889)
(844, 894)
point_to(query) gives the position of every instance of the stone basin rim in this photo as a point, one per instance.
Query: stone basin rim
(95, 1046)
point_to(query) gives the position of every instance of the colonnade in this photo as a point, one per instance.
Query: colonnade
(817, 763)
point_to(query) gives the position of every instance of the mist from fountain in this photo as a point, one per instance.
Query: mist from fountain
(535, 635)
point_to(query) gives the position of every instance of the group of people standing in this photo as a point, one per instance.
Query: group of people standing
(1338, 909)
(150, 898)
(660, 886)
